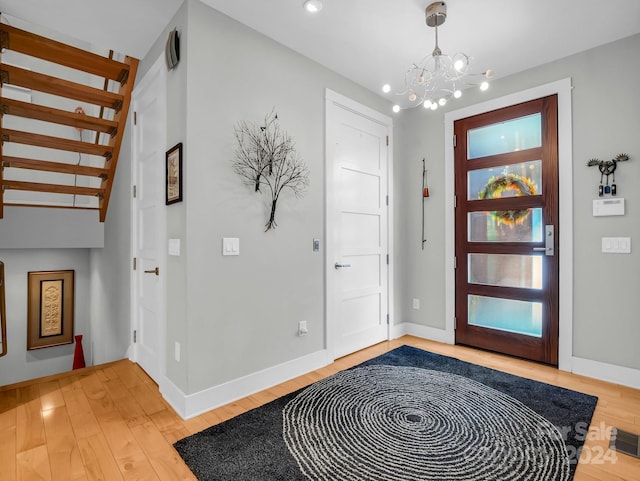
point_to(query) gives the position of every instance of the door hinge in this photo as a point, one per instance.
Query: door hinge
(387, 141)
(455, 323)
(135, 191)
(455, 140)
(135, 118)
(135, 263)
(387, 259)
(387, 200)
(135, 336)
(455, 262)
(455, 201)
(387, 318)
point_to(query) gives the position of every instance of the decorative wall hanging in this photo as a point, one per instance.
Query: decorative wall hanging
(173, 184)
(3, 314)
(50, 309)
(608, 168)
(266, 157)
(425, 194)
(497, 185)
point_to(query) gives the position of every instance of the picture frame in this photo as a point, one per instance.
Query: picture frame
(50, 309)
(173, 175)
(3, 314)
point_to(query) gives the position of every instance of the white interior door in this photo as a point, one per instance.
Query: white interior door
(149, 141)
(357, 226)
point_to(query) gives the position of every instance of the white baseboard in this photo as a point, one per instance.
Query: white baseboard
(424, 332)
(625, 376)
(607, 372)
(191, 405)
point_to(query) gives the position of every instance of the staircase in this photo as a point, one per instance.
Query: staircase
(54, 154)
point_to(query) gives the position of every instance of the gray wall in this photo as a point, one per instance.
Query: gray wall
(111, 269)
(238, 315)
(605, 123)
(20, 364)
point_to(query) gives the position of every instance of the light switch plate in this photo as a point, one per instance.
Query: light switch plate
(230, 246)
(616, 245)
(174, 247)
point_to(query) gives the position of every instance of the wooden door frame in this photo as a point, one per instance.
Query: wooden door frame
(565, 173)
(158, 69)
(334, 98)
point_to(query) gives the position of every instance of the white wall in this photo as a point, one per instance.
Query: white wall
(605, 123)
(20, 364)
(235, 316)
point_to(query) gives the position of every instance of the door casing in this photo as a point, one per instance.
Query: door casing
(565, 172)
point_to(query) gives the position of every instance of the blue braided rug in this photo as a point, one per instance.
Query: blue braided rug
(406, 415)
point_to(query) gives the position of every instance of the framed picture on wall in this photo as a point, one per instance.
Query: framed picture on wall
(50, 309)
(174, 175)
(3, 315)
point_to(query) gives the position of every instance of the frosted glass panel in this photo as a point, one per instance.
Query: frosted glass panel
(520, 317)
(511, 181)
(506, 270)
(501, 226)
(501, 138)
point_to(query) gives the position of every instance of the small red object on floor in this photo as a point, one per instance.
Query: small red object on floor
(78, 357)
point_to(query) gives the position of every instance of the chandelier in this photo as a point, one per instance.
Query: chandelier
(438, 77)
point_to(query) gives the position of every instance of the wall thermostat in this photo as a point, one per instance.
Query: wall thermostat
(603, 207)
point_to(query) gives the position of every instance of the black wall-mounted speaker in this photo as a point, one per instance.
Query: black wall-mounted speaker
(172, 49)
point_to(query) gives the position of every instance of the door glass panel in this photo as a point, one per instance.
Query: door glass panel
(513, 180)
(520, 317)
(510, 136)
(506, 270)
(506, 226)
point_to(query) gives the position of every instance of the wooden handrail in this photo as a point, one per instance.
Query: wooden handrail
(48, 114)
(29, 79)
(58, 167)
(59, 53)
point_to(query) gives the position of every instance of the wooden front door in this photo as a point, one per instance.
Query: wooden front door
(506, 187)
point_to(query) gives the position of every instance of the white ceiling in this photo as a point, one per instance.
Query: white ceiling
(369, 41)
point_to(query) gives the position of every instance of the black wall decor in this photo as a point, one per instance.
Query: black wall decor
(266, 157)
(608, 168)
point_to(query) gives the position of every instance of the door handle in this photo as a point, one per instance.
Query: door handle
(155, 271)
(340, 266)
(549, 241)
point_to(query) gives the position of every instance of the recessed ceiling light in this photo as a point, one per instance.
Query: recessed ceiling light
(313, 6)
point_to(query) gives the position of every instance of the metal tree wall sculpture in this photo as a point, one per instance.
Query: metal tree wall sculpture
(266, 157)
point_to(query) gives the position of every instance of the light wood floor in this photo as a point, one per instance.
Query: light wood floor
(110, 423)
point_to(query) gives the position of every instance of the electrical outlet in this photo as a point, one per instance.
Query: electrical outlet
(303, 330)
(416, 304)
